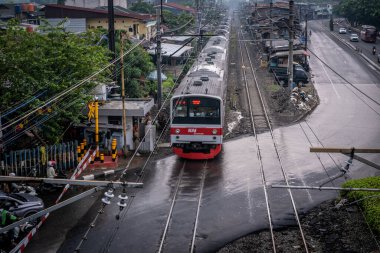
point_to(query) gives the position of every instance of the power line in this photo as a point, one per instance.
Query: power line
(71, 88)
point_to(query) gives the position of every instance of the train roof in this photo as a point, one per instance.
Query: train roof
(194, 85)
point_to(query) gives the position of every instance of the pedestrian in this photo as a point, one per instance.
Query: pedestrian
(374, 50)
(50, 172)
(310, 33)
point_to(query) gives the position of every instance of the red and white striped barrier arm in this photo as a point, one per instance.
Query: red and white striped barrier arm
(78, 170)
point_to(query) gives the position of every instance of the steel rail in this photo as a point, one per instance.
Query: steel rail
(277, 152)
(192, 247)
(263, 179)
(171, 208)
(303, 187)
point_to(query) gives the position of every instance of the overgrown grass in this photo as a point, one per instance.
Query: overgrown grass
(370, 201)
(273, 87)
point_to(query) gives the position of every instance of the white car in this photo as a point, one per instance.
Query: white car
(342, 30)
(354, 37)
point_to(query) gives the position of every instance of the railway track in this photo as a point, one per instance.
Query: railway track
(181, 236)
(260, 122)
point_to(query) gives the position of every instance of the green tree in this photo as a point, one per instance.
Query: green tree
(173, 21)
(50, 61)
(137, 66)
(360, 11)
(143, 7)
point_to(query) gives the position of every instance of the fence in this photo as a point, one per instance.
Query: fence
(33, 162)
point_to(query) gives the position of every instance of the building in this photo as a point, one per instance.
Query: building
(111, 124)
(136, 25)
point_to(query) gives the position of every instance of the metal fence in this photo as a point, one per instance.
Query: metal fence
(33, 162)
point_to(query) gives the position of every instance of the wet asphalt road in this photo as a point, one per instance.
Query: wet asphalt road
(233, 199)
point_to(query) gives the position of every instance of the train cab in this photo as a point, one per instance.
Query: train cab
(196, 128)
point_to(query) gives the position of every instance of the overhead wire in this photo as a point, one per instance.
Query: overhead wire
(83, 81)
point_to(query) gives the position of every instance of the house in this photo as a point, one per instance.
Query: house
(25, 12)
(110, 120)
(137, 25)
(95, 3)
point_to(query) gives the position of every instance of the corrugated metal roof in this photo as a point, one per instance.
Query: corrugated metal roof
(168, 49)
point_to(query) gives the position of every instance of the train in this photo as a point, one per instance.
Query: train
(197, 105)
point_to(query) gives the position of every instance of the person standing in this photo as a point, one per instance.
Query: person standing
(50, 172)
(374, 50)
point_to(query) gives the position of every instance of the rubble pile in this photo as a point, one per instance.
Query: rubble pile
(301, 99)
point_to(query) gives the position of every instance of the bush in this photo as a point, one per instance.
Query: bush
(370, 201)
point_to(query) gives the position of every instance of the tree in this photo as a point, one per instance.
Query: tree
(143, 7)
(49, 62)
(174, 21)
(360, 11)
(137, 66)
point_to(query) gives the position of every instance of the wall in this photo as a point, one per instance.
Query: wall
(122, 24)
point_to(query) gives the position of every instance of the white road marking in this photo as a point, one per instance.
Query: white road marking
(369, 65)
(328, 76)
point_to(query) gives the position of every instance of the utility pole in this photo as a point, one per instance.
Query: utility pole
(306, 35)
(123, 94)
(271, 26)
(290, 58)
(158, 48)
(111, 29)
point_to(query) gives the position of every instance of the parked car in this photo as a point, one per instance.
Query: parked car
(342, 30)
(354, 37)
(21, 204)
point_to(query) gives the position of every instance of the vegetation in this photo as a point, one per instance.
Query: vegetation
(173, 21)
(370, 201)
(365, 12)
(48, 62)
(137, 66)
(143, 7)
(51, 61)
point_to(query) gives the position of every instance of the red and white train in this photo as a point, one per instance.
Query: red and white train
(197, 107)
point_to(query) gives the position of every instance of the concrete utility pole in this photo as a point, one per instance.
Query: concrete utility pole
(306, 35)
(271, 25)
(123, 95)
(111, 29)
(158, 55)
(290, 58)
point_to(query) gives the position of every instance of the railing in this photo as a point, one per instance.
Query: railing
(33, 162)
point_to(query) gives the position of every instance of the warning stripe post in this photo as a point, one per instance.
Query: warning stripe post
(20, 247)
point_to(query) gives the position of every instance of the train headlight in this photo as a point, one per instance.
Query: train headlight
(177, 131)
(214, 131)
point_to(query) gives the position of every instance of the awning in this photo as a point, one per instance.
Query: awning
(153, 76)
(172, 50)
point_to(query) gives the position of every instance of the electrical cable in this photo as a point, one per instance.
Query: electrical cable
(85, 80)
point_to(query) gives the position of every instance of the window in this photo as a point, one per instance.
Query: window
(114, 120)
(196, 110)
(130, 29)
(180, 108)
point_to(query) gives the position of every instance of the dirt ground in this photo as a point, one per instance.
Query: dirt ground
(326, 229)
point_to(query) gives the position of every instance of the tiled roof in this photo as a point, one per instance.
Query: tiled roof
(180, 7)
(138, 16)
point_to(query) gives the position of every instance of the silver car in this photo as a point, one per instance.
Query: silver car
(21, 204)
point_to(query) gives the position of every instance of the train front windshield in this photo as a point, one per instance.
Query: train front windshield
(196, 110)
